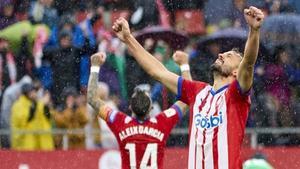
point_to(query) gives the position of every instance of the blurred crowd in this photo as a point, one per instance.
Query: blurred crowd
(45, 47)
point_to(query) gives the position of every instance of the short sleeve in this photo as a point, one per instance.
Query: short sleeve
(235, 92)
(115, 120)
(187, 90)
(170, 117)
(239, 101)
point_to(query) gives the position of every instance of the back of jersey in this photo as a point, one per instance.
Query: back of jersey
(142, 143)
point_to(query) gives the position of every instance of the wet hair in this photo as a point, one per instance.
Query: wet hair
(26, 88)
(236, 50)
(140, 103)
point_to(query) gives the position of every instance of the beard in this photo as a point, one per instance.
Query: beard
(220, 70)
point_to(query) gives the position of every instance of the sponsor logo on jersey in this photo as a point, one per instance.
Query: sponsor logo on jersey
(207, 122)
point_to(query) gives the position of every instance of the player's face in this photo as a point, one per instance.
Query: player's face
(226, 64)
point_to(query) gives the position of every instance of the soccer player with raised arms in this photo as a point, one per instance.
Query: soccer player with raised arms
(218, 111)
(141, 138)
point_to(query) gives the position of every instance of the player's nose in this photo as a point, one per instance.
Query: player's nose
(220, 55)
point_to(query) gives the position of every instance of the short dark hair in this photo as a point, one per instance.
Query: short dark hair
(140, 102)
(26, 88)
(237, 50)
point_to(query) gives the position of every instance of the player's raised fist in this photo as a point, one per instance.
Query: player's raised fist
(98, 59)
(121, 28)
(180, 58)
(254, 17)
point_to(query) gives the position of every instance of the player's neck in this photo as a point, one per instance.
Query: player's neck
(140, 119)
(220, 81)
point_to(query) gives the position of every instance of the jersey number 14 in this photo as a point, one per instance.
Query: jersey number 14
(149, 154)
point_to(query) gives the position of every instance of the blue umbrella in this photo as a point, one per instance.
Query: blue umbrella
(227, 39)
(176, 40)
(281, 29)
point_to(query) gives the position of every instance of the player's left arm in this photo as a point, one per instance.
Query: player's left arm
(97, 104)
(182, 59)
(254, 18)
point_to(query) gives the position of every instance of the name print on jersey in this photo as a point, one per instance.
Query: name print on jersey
(130, 131)
(207, 122)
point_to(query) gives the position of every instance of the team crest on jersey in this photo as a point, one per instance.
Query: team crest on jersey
(170, 112)
(127, 120)
(207, 122)
(153, 120)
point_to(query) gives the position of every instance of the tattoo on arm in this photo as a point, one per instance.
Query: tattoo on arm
(92, 97)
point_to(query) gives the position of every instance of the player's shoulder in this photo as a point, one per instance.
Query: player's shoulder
(168, 113)
(119, 117)
(195, 83)
(234, 91)
(199, 86)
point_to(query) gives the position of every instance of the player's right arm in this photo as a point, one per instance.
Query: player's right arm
(97, 104)
(254, 18)
(148, 62)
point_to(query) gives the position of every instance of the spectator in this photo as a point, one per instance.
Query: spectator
(281, 6)
(10, 95)
(278, 87)
(41, 11)
(73, 115)
(114, 69)
(238, 14)
(8, 72)
(21, 9)
(24, 59)
(65, 64)
(6, 13)
(82, 38)
(79, 35)
(64, 6)
(31, 114)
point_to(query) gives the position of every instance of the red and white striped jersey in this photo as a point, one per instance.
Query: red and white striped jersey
(217, 124)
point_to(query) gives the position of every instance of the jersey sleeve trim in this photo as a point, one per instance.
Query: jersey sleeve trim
(179, 88)
(243, 93)
(177, 108)
(111, 116)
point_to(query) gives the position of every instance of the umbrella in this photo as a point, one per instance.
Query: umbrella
(228, 38)
(281, 29)
(176, 40)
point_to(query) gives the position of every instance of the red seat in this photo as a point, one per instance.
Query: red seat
(119, 13)
(190, 21)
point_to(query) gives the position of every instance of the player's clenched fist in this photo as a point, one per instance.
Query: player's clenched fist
(254, 17)
(121, 28)
(98, 59)
(181, 58)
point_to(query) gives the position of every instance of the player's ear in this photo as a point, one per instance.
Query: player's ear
(129, 107)
(234, 73)
(151, 108)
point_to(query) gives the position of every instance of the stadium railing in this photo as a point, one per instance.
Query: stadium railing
(253, 132)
